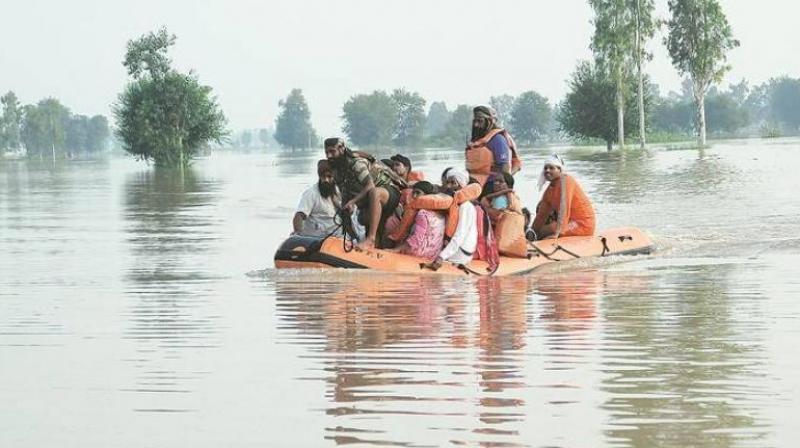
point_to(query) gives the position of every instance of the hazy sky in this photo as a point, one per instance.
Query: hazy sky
(254, 52)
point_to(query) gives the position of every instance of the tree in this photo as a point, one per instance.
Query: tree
(503, 105)
(98, 133)
(163, 115)
(370, 119)
(644, 28)
(293, 126)
(437, 119)
(246, 139)
(410, 110)
(530, 117)
(44, 129)
(77, 134)
(613, 45)
(459, 126)
(590, 107)
(725, 114)
(698, 40)
(785, 102)
(263, 137)
(10, 123)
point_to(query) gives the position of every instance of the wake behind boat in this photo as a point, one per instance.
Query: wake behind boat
(299, 252)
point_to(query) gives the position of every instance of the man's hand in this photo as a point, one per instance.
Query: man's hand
(348, 206)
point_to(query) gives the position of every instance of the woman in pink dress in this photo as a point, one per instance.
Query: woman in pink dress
(427, 235)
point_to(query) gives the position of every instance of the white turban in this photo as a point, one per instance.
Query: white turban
(554, 160)
(459, 175)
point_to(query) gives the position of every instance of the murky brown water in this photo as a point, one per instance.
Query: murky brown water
(138, 308)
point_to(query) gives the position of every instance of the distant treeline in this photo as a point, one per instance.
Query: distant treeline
(49, 130)
(401, 118)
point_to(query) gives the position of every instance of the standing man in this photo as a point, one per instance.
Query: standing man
(369, 186)
(491, 149)
(317, 208)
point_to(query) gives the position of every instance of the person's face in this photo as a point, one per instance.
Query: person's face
(551, 172)
(334, 152)
(478, 122)
(500, 183)
(451, 184)
(399, 168)
(326, 177)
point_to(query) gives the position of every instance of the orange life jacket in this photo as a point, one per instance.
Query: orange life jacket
(573, 208)
(439, 202)
(415, 176)
(468, 193)
(480, 159)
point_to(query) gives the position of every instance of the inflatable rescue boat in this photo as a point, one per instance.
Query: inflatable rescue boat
(309, 252)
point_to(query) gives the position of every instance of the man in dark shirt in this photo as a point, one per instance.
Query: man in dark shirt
(369, 186)
(484, 119)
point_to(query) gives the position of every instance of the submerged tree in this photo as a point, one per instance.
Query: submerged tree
(645, 26)
(293, 126)
(698, 41)
(589, 110)
(44, 129)
(612, 45)
(163, 115)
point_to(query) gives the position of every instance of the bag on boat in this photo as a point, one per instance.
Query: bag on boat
(510, 233)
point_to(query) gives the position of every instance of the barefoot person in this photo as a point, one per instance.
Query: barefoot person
(369, 186)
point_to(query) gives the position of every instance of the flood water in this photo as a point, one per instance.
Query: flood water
(139, 308)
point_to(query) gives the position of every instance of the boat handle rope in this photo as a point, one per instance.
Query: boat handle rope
(558, 248)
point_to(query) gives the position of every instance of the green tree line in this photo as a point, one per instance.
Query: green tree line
(48, 129)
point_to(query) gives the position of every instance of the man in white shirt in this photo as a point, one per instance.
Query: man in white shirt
(465, 239)
(317, 208)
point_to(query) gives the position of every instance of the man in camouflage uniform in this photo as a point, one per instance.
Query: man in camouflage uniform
(370, 185)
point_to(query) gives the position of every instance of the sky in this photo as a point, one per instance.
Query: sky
(252, 53)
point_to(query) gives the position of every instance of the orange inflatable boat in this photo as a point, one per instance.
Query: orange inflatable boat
(308, 252)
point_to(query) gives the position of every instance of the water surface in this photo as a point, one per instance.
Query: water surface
(139, 307)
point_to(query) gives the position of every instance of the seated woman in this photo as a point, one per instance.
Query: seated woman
(501, 197)
(427, 235)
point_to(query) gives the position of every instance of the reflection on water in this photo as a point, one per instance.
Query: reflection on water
(172, 231)
(679, 363)
(411, 348)
(126, 318)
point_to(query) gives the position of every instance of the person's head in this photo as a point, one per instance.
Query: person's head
(421, 188)
(444, 174)
(502, 181)
(326, 184)
(553, 167)
(484, 119)
(457, 179)
(334, 149)
(401, 165)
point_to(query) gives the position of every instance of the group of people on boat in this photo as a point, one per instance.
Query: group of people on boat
(473, 213)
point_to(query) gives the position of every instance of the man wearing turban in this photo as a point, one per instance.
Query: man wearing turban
(564, 209)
